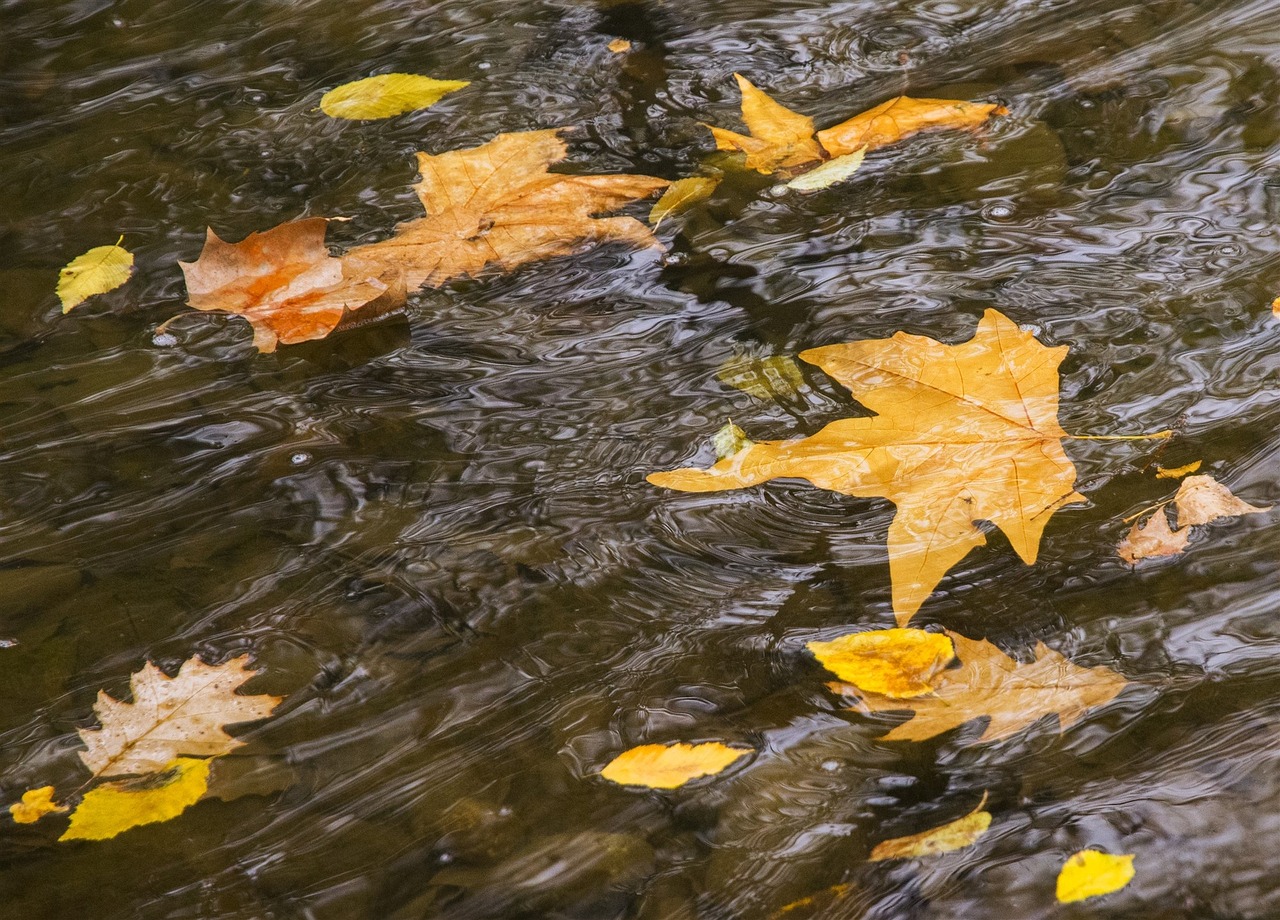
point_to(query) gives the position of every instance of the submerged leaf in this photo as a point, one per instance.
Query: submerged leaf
(111, 808)
(814, 905)
(955, 835)
(1090, 873)
(829, 173)
(729, 440)
(962, 433)
(35, 804)
(682, 194)
(899, 663)
(101, 269)
(668, 766)
(990, 683)
(386, 95)
(774, 377)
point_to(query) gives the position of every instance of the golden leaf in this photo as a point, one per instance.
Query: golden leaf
(1154, 538)
(35, 804)
(990, 683)
(111, 808)
(386, 95)
(898, 663)
(955, 835)
(285, 283)
(497, 204)
(619, 46)
(1201, 499)
(962, 433)
(667, 766)
(829, 173)
(172, 717)
(1090, 873)
(101, 269)
(682, 194)
(782, 139)
(1178, 471)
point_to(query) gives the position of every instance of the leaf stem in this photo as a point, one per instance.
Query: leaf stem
(1156, 436)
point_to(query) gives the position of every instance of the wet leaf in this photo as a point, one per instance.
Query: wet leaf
(729, 440)
(172, 717)
(101, 269)
(285, 283)
(955, 835)
(774, 377)
(35, 804)
(498, 205)
(110, 808)
(1152, 539)
(1178, 471)
(814, 905)
(899, 663)
(989, 683)
(782, 139)
(386, 95)
(962, 433)
(829, 173)
(1201, 499)
(619, 46)
(1090, 873)
(667, 766)
(680, 195)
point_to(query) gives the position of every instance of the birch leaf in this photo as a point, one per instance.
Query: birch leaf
(954, 835)
(1090, 873)
(110, 808)
(668, 766)
(386, 95)
(101, 269)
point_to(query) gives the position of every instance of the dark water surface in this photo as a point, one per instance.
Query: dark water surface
(434, 535)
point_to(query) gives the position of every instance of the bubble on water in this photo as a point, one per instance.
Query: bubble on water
(999, 212)
(164, 340)
(831, 766)
(300, 458)
(483, 65)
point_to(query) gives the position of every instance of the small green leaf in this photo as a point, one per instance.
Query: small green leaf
(729, 440)
(775, 377)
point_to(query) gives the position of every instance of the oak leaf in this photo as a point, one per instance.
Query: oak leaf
(172, 717)
(110, 808)
(497, 204)
(386, 95)
(782, 139)
(288, 286)
(962, 433)
(989, 683)
(1090, 873)
(900, 663)
(101, 269)
(668, 766)
(954, 835)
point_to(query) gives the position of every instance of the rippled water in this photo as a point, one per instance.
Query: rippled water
(434, 535)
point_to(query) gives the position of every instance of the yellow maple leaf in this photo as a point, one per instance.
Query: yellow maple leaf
(497, 204)
(1090, 873)
(110, 808)
(386, 95)
(101, 269)
(899, 663)
(990, 683)
(668, 766)
(35, 804)
(954, 835)
(962, 433)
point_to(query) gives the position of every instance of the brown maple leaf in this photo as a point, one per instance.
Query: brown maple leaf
(172, 717)
(285, 283)
(962, 433)
(989, 683)
(498, 204)
(782, 139)
(1199, 500)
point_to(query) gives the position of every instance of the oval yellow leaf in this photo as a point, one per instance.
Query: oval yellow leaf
(386, 95)
(667, 766)
(114, 807)
(35, 804)
(829, 173)
(1090, 873)
(682, 194)
(955, 835)
(101, 269)
(898, 663)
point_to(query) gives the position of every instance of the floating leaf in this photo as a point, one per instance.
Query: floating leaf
(990, 683)
(680, 195)
(172, 717)
(497, 204)
(1154, 538)
(1090, 873)
(729, 440)
(779, 138)
(285, 283)
(619, 46)
(775, 377)
(902, 117)
(101, 269)
(386, 95)
(814, 905)
(899, 663)
(667, 766)
(829, 173)
(1201, 499)
(111, 808)
(35, 804)
(1178, 471)
(962, 433)
(955, 835)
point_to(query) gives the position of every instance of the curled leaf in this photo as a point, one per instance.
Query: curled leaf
(779, 137)
(1091, 873)
(386, 95)
(35, 804)
(898, 663)
(110, 808)
(955, 835)
(1152, 539)
(1201, 499)
(902, 117)
(668, 766)
(1178, 471)
(101, 269)
(680, 195)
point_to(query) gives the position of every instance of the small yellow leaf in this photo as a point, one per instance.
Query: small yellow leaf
(35, 804)
(955, 835)
(1275, 306)
(897, 663)
(829, 173)
(729, 440)
(764, 378)
(1178, 471)
(386, 95)
(1090, 873)
(815, 904)
(101, 269)
(619, 46)
(681, 195)
(663, 766)
(114, 807)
